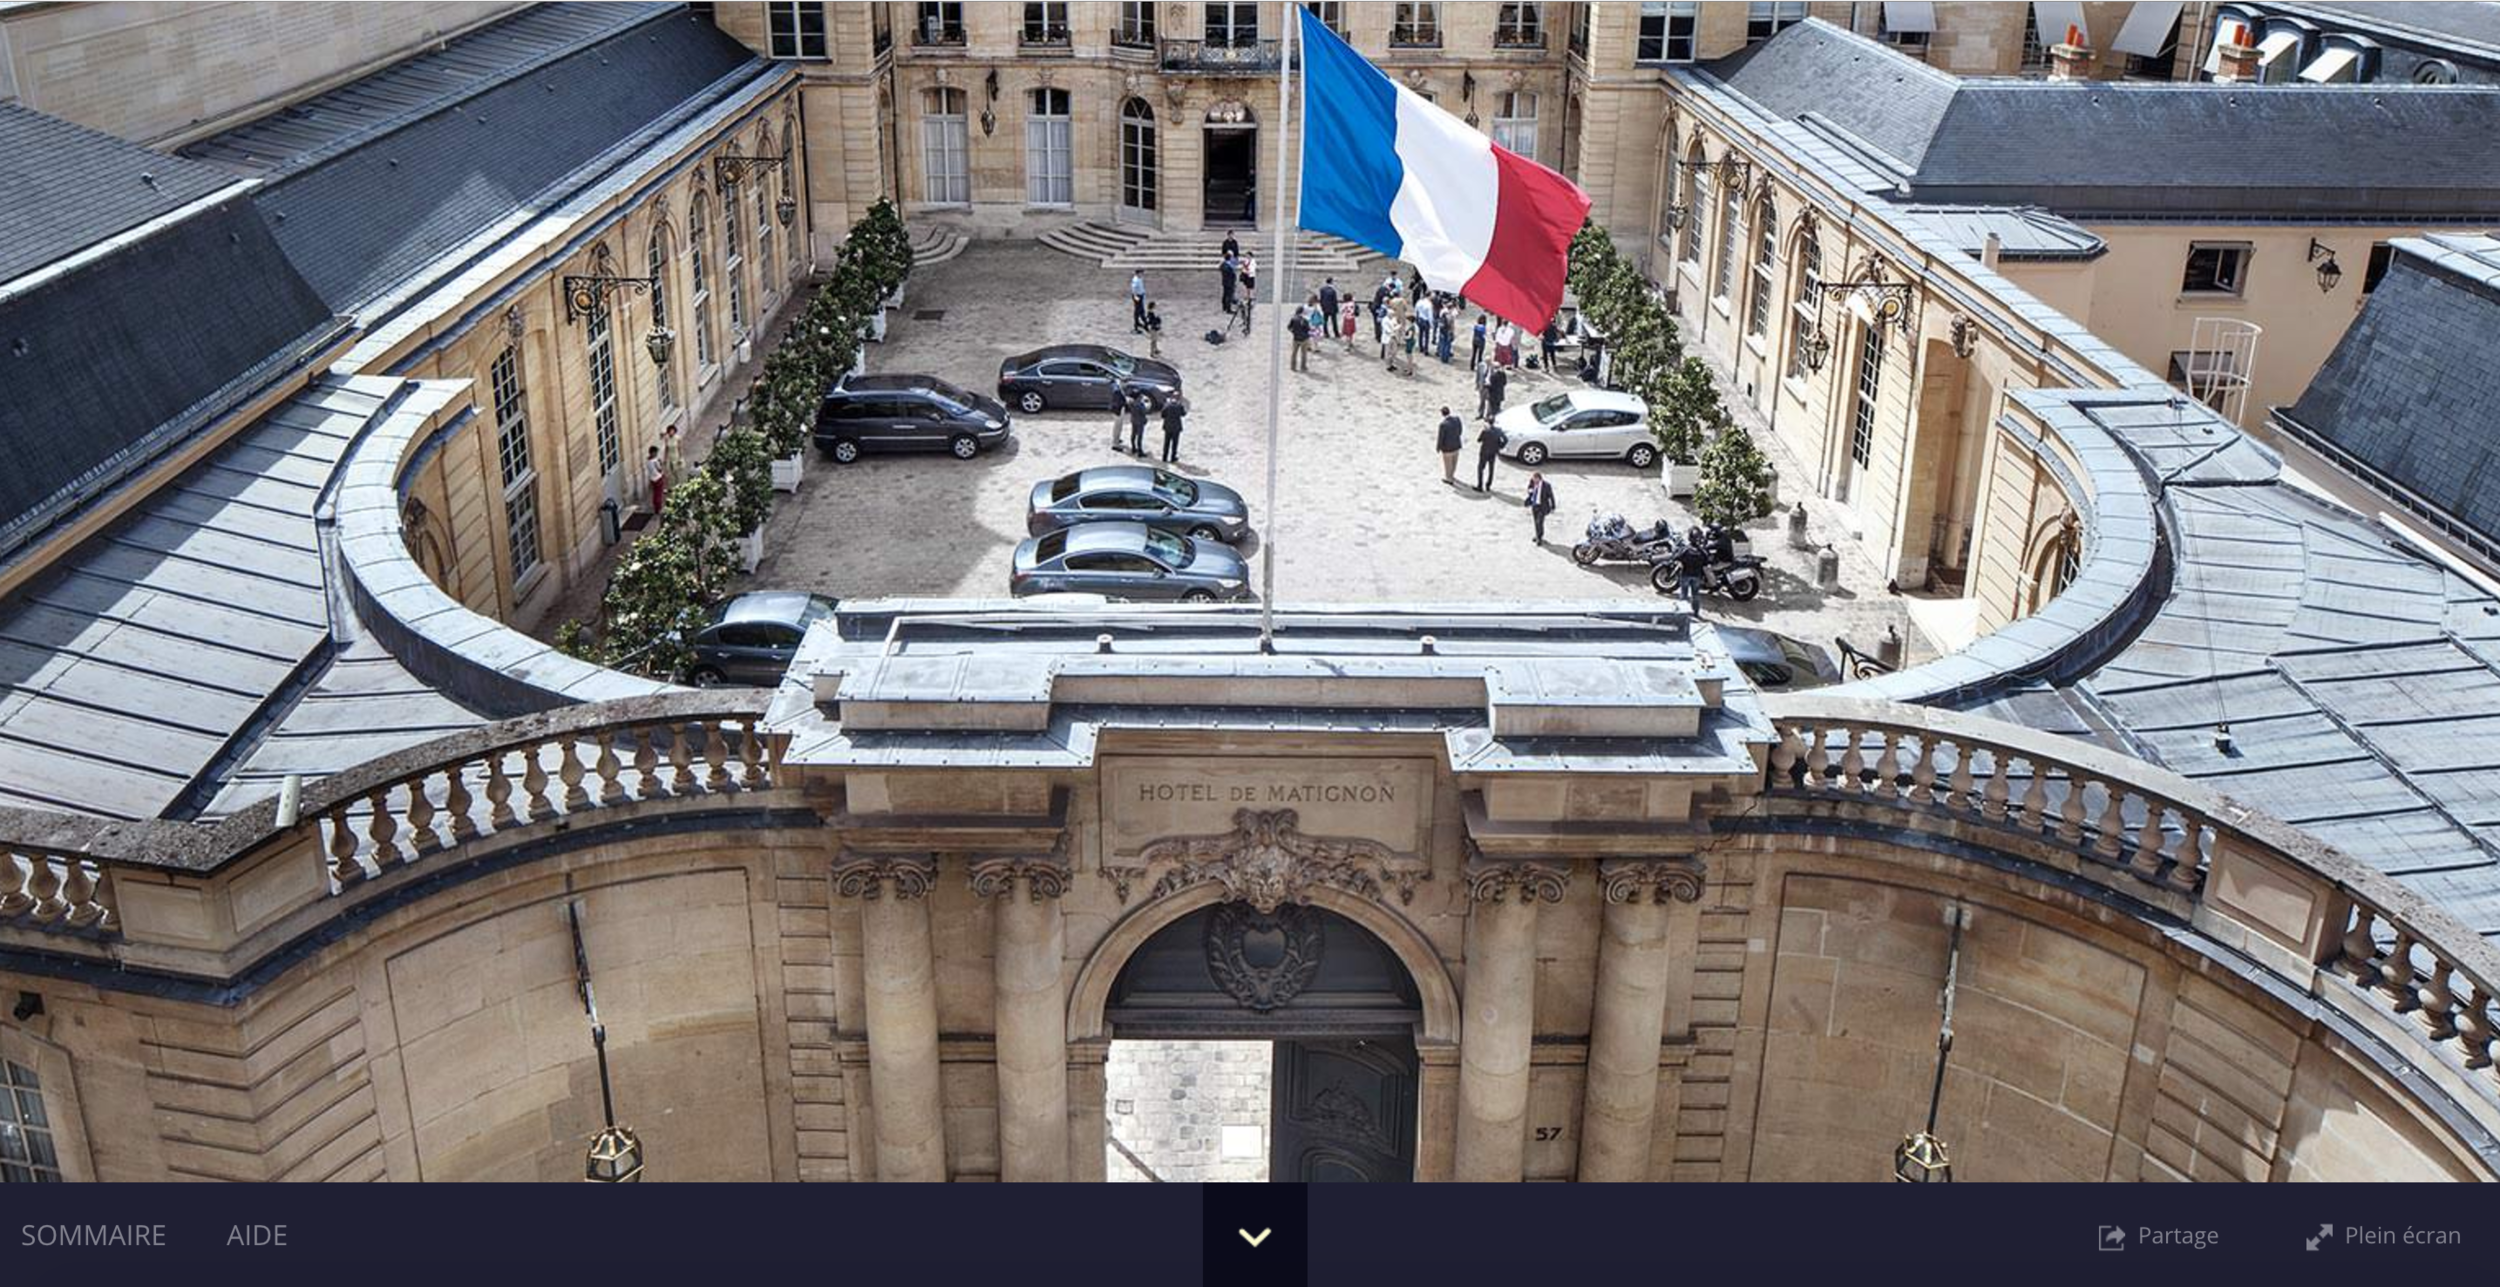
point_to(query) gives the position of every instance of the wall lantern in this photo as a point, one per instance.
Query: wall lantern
(587, 293)
(1675, 217)
(786, 209)
(730, 168)
(661, 342)
(615, 1153)
(1920, 1158)
(1815, 348)
(1870, 298)
(2329, 272)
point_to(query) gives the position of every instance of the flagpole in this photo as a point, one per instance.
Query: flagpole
(1276, 348)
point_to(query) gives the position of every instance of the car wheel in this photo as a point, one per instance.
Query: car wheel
(706, 677)
(1205, 532)
(1031, 402)
(845, 451)
(1198, 596)
(1584, 554)
(1532, 455)
(964, 446)
(1642, 455)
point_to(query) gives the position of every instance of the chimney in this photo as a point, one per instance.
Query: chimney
(2237, 63)
(2071, 59)
(1991, 250)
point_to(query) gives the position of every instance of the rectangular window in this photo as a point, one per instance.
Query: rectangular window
(1136, 27)
(944, 144)
(1514, 123)
(512, 451)
(798, 30)
(1731, 235)
(699, 258)
(2205, 375)
(763, 247)
(1765, 256)
(1763, 21)
(1805, 313)
(1869, 395)
(1046, 24)
(2381, 255)
(603, 387)
(1233, 25)
(1048, 174)
(1905, 39)
(941, 23)
(1666, 32)
(733, 260)
(1580, 30)
(27, 1155)
(1415, 26)
(1519, 26)
(1331, 14)
(2214, 268)
(658, 265)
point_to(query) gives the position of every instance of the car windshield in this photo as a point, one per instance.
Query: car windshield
(1552, 409)
(1179, 490)
(1170, 550)
(1121, 364)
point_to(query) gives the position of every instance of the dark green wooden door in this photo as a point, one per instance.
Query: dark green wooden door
(1344, 1111)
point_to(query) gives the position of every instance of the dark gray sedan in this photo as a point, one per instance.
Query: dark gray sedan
(1128, 561)
(1138, 494)
(1081, 376)
(750, 638)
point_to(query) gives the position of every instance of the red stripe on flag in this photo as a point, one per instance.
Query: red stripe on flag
(1536, 213)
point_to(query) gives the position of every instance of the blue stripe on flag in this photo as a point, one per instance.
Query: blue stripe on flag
(1350, 166)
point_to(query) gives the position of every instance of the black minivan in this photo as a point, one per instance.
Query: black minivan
(906, 413)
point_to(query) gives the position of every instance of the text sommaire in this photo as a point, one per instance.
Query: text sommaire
(91, 1235)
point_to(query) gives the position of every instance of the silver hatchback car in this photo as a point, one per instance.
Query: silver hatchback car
(1138, 494)
(1128, 561)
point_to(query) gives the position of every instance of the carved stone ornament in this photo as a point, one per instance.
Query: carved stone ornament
(1631, 880)
(1415, 79)
(1173, 92)
(1267, 862)
(1263, 959)
(858, 875)
(1132, 83)
(1046, 875)
(514, 324)
(1494, 880)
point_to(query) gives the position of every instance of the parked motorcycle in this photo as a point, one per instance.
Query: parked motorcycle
(1611, 539)
(1726, 575)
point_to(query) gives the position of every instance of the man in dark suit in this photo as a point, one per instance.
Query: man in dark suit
(1174, 408)
(1140, 405)
(1453, 435)
(1540, 502)
(1494, 386)
(1328, 298)
(1489, 442)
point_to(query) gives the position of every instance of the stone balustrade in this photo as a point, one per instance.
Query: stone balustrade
(2330, 926)
(55, 890)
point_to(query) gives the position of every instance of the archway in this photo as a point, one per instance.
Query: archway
(1231, 165)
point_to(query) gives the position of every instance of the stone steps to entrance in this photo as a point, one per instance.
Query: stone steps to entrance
(1121, 247)
(931, 244)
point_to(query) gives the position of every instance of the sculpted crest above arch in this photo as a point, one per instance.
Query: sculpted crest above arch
(1267, 862)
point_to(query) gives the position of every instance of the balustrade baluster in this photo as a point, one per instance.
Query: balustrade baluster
(2397, 975)
(2475, 1029)
(1923, 771)
(646, 762)
(2035, 814)
(2111, 831)
(1992, 793)
(422, 838)
(2438, 1002)
(751, 753)
(344, 868)
(79, 892)
(14, 873)
(716, 758)
(457, 803)
(44, 882)
(498, 793)
(569, 772)
(2147, 861)
(2360, 953)
(680, 761)
(534, 782)
(384, 829)
(1961, 784)
(1852, 761)
(611, 790)
(2070, 809)
(1784, 756)
(2187, 861)
(1818, 758)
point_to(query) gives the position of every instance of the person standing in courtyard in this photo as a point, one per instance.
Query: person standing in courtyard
(1540, 502)
(1154, 331)
(1475, 349)
(1424, 313)
(1139, 407)
(1299, 327)
(1495, 385)
(1174, 409)
(1230, 274)
(1489, 442)
(1328, 302)
(1119, 412)
(1137, 302)
(1250, 275)
(655, 473)
(1349, 319)
(1505, 344)
(1484, 374)
(1448, 332)
(1691, 563)
(1453, 435)
(1380, 314)
(1549, 341)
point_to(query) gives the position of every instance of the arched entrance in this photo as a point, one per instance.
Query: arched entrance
(1231, 165)
(1325, 1002)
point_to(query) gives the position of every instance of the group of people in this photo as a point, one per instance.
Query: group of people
(1145, 317)
(1451, 437)
(1132, 407)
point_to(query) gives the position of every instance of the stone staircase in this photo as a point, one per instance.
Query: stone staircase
(932, 244)
(1121, 247)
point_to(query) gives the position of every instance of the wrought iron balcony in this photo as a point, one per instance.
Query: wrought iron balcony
(1044, 40)
(1214, 58)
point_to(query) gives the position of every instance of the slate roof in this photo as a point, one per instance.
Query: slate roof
(111, 364)
(155, 655)
(2407, 394)
(65, 187)
(376, 180)
(2131, 149)
(2024, 234)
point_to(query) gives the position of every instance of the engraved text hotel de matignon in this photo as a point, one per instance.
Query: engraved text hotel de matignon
(1267, 793)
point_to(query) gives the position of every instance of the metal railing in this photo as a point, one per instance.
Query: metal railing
(1206, 57)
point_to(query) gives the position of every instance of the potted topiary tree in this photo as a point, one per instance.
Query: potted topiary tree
(743, 463)
(1737, 484)
(654, 604)
(783, 403)
(1683, 416)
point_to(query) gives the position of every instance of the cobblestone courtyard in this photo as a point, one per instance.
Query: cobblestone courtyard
(1367, 517)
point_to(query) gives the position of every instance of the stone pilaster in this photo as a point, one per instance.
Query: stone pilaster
(1620, 1102)
(1032, 1017)
(900, 991)
(1500, 1023)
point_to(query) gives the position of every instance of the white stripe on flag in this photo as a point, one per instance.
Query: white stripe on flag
(1445, 205)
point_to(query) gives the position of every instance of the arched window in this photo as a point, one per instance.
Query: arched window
(789, 178)
(699, 258)
(1669, 184)
(1696, 203)
(733, 258)
(1049, 173)
(1804, 309)
(1765, 253)
(944, 145)
(2060, 558)
(1731, 235)
(765, 264)
(599, 347)
(1139, 165)
(656, 264)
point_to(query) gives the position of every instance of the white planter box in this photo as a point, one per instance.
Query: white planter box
(859, 362)
(746, 349)
(750, 550)
(895, 300)
(789, 470)
(1681, 479)
(876, 327)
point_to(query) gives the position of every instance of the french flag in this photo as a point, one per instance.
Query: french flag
(1386, 169)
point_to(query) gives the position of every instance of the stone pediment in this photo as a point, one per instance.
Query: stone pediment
(1267, 862)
